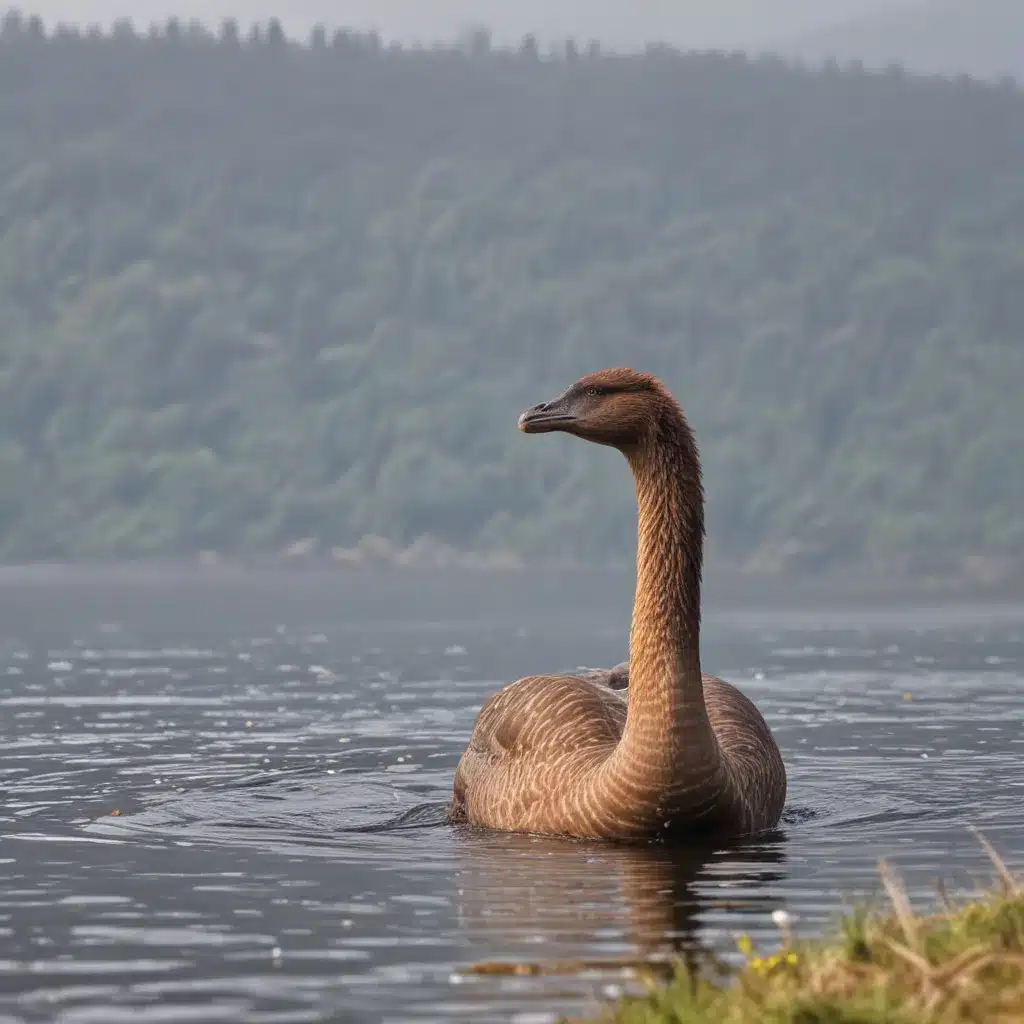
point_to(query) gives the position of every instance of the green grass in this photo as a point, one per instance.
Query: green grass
(965, 964)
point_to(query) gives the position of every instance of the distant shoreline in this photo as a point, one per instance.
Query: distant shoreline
(723, 584)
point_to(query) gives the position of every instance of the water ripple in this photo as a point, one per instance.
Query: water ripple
(235, 811)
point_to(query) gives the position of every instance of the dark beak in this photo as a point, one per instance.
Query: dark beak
(546, 417)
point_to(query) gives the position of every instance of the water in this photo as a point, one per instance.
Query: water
(257, 734)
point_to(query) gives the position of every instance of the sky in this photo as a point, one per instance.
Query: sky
(617, 23)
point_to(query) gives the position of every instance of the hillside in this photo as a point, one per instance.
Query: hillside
(984, 38)
(255, 293)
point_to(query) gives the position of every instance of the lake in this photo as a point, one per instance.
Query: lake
(260, 733)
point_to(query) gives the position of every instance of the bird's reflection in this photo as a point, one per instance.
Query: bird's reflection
(543, 898)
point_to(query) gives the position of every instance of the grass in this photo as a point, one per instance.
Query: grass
(964, 965)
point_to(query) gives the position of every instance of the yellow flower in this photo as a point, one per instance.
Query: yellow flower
(792, 958)
(746, 947)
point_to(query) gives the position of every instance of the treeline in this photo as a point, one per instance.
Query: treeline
(255, 293)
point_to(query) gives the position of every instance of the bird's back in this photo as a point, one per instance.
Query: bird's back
(532, 742)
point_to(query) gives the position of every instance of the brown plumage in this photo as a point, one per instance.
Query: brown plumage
(617, 678)
(679, 751)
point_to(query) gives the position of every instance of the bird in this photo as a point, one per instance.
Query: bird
(654, 748)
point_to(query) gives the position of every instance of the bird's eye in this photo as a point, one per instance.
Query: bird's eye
(593, 392)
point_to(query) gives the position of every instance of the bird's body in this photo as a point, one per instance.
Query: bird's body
(533, 764)
(674, 750)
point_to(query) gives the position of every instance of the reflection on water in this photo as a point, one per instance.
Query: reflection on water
(531, 894)
(280, 752)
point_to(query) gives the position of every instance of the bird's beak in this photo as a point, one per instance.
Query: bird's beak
(546, 417)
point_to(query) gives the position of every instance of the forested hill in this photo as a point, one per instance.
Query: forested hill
(254, 292)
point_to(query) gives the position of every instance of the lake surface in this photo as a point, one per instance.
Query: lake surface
(258, 733)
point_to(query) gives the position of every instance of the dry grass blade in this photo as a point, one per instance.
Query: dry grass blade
(900, 903)
(915, 960)
(967, 975)
(965, 962)
(1010, 884)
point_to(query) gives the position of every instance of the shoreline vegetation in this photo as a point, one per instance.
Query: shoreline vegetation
(961, 965)
(972, 578)
(778, 563)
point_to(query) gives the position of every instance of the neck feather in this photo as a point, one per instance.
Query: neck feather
(667, 734)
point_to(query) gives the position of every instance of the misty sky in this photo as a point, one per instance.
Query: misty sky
(616, 22)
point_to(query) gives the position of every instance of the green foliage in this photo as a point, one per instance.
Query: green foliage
(965, 966)
(254, 292)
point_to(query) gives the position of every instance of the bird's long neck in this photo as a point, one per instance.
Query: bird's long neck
(667, 741)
